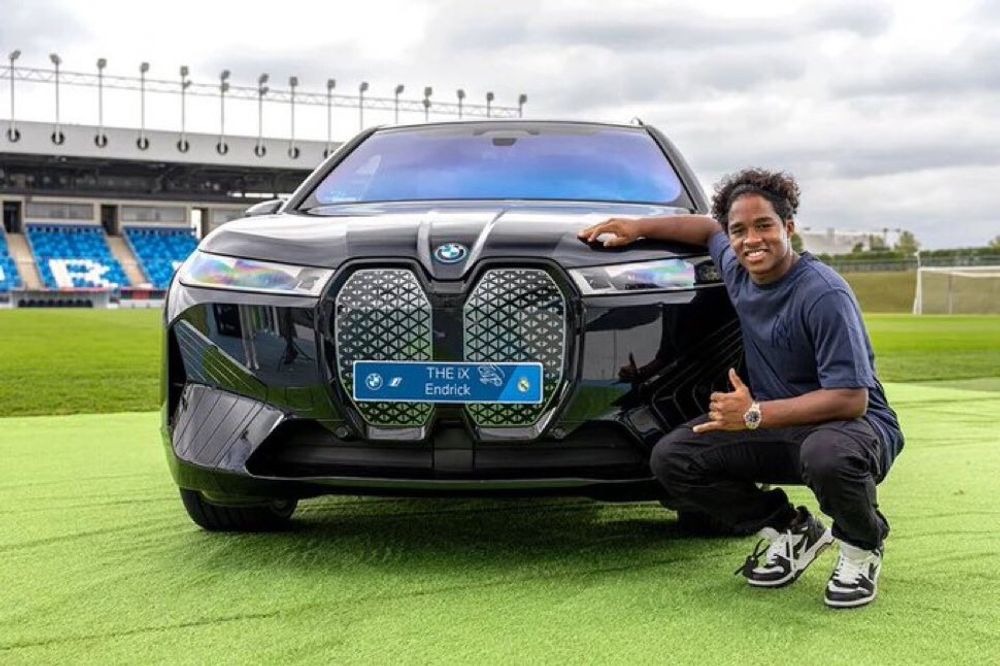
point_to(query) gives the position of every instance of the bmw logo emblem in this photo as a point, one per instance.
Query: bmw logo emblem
(450, 253)
(373, 381)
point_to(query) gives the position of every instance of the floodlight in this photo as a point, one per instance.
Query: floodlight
(395, 102)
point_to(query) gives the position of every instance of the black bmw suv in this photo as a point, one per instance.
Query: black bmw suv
(420, 318)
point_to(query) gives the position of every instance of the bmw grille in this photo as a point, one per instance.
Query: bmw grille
(511, 314)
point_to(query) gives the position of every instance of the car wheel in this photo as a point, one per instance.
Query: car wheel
(701, 524)
(270, 516)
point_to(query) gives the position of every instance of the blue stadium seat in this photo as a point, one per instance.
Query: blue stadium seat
(71, 256)
(160, 250)
(9, 277)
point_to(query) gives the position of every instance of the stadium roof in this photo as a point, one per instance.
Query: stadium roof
(36, 138)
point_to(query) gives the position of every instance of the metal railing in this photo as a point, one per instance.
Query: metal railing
(848, 264)
(460, 108)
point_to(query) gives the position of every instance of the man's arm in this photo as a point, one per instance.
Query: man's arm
(690, 229)
(817, 406)
(726, 410)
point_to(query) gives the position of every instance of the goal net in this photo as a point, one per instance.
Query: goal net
(957, 290)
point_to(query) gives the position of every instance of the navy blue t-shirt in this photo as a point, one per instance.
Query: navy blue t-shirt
(804, 332)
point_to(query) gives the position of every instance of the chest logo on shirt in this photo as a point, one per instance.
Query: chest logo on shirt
(781, 334)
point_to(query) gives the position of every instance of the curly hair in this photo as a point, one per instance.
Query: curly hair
(777, 187)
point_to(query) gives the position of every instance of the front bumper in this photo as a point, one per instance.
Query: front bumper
(255, 398)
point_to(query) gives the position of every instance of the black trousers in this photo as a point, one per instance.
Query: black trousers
(718, 472)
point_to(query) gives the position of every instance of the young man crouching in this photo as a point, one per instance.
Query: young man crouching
(814, 411)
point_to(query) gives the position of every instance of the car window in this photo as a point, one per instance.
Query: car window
(537, 162)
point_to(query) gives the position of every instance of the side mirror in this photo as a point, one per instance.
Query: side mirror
(268, 207)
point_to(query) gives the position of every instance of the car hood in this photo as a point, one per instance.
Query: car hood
(502, 230)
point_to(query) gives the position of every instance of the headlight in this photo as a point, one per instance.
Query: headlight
(659, 275)
(213, 271)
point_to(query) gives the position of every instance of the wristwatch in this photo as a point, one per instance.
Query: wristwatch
(752, 417)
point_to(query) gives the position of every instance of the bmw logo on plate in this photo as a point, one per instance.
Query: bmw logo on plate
(450, 253)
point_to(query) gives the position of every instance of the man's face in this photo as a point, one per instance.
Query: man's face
(760, 239)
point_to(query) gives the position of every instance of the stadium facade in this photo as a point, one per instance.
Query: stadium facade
(93, 214)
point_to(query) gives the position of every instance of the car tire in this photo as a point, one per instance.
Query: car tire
(697, 523)
(701, 524)
(268, 517)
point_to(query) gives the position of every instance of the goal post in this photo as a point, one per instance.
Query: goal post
(957, 290)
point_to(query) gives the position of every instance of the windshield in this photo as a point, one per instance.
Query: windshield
(564, 162)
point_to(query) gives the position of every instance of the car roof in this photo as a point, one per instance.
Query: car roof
(509, 122)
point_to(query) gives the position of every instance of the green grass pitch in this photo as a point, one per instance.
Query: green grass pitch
(72, 361)
(100, 564)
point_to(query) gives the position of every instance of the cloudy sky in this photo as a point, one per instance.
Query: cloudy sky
(887, 112)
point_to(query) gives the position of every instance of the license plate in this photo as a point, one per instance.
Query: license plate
(434, 381)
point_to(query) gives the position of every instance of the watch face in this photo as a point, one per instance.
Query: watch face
(752, 416)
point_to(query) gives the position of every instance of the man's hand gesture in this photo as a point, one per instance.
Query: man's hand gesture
(623, 232)
(726, 410)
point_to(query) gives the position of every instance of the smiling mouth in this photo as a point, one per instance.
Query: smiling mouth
(756, 253)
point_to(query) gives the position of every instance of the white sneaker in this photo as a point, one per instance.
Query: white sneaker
(788, 553)
(854, 581)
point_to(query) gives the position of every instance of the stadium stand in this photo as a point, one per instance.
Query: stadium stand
(68, 205)
(9, 276)
(74, 256)
(160, 250)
